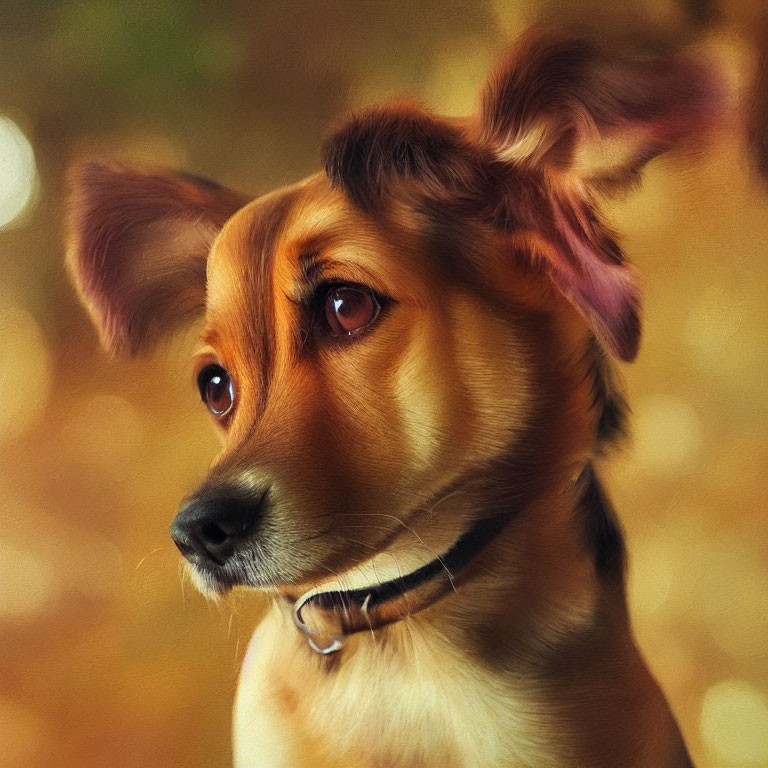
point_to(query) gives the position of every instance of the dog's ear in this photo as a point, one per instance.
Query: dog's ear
(138, 245)
(396, 144)
(572, 118)
(569, 104)
(559, 120)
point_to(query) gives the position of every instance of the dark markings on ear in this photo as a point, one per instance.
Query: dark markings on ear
(396, 142)
(588, 226)
(593, 273)
(559, 119)
(608, 401)
(552, 91)
(585, 261)
(538, 79)
(602, 529)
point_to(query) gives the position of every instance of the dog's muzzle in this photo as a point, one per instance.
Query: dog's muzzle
(211, 529)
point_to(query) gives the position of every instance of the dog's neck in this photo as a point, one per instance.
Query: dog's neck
(564, 631)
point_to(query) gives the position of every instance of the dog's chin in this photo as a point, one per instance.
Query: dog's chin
(207, 583)
(215, 583)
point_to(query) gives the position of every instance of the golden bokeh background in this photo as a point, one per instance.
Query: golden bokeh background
(106, 659)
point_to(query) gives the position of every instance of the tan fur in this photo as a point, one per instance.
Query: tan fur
(481, 398)
(498, 673)
(422, 692)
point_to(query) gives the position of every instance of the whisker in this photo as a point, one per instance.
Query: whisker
(149, 554)
(183, 576)
(355, 541)
(440, 500)
(429, 549)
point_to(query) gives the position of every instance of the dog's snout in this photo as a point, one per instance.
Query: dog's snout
(208, 530)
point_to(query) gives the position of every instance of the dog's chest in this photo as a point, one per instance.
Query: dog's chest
(402, 704)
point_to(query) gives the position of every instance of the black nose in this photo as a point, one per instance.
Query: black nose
(207, 529)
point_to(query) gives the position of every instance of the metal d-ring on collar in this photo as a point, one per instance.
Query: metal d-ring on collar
(345, 612)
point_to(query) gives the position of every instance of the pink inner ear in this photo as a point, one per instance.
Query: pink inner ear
(591, 272)
(138, 245)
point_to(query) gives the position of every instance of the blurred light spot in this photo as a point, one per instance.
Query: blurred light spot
(457, 74)
(667, 435)
(676, 545)
(21, 734)
(671, 661)
(732, 597)
(25, 375)
(708, 578)
(105, 432)
(142, 146)
(512, 16)
(734, 723)
(724, 333)
(17, 170)
(652, 570)
(27, 583)
(75, 558)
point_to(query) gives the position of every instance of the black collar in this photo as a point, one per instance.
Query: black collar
(338, 613)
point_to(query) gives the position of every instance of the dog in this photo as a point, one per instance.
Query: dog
(409, 356)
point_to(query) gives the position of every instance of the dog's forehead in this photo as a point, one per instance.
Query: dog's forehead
(267, 241)
(243, 256)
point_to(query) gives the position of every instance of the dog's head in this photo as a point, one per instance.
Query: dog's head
(408, 342)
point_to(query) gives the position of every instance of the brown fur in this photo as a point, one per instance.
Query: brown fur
(482, 393)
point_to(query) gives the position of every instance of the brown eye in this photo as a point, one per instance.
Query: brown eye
(350, 310)
(216, 389)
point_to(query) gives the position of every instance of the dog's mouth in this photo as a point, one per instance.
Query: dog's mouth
(365, 597)
(327, 617)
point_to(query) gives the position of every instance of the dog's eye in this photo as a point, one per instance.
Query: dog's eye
(350, 309)
(216, 389)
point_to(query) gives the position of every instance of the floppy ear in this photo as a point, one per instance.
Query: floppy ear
(138, 245)
(574, 118)
(559, 120)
